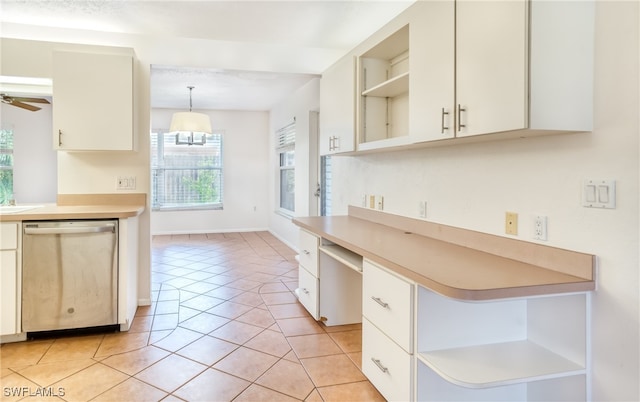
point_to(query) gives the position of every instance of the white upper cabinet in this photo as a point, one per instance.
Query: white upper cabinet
(383, 88)
(515, 66)
(431, 106)
(337, 107)
(92, 101)
(491, 66)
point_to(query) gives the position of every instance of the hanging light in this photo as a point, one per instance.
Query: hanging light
(190, 122)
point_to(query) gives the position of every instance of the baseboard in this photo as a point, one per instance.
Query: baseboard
(294, 247)
(144, 302)
(205, 231)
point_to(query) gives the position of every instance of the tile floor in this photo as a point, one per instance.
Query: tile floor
(224, 325)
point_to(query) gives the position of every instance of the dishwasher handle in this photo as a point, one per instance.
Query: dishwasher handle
(71, 230)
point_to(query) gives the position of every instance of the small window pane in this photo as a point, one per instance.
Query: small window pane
(287, 189)
(6, 166)
(287, 158)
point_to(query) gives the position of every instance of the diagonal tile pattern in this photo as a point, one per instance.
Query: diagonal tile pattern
(224, 324)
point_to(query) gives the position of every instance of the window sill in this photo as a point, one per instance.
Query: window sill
(284, 213)
(218, 207)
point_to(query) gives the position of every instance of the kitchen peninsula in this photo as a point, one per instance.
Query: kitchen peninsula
(125, 208)
(448, 311)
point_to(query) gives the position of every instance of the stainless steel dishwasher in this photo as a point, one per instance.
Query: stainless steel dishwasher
(69, 274)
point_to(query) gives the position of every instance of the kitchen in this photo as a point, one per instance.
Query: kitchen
(468, 186)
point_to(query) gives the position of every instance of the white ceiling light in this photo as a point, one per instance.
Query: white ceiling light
(190, 122)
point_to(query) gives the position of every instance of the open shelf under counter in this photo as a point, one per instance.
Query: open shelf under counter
(347, 257)
(499, 364)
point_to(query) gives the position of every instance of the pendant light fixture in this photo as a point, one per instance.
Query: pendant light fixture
(190, 122)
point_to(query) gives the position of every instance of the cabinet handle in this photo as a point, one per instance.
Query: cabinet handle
(444, 113)
(59, 138)
(380, 366)
(305, 291)
(331, 142)
(460, 110)
(336, 143)
(380, 302)
(306, 252)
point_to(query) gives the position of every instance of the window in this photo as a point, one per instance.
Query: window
(325, 185)
(186, 176)
(6, 166)
(285, 147)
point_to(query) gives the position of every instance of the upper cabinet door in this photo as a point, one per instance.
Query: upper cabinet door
(337, 107)
(491, 66)
(431, 103)
(92, 102)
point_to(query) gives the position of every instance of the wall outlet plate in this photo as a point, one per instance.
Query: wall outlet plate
(511, 223)
(540, 227)
(422, 211)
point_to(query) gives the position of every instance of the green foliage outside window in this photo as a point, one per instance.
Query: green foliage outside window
(6, 166)
(206, 183)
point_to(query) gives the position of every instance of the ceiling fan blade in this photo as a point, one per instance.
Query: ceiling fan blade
(24, 106)
(30, 100)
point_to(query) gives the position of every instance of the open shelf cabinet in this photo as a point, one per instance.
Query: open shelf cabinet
(383, 89)
(502, 349)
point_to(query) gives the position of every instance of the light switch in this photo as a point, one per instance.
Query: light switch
(598, 193)
(590, 193)
(603, 194)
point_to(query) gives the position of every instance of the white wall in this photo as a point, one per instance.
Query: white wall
(303, 101)
(472, 186)
(246, 175)
(35, 162)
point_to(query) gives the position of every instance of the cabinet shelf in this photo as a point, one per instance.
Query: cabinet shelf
(391, 88)
(341, 254)
(499, 364)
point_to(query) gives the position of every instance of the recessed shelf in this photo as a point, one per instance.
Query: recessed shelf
(499, 364)
(390, 88)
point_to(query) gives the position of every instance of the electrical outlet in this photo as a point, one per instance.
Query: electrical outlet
(126, 183)
(511, 223)
(540, 227)
(423, 209)
(379, 202)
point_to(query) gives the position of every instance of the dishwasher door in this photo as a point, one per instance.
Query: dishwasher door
(69, 274)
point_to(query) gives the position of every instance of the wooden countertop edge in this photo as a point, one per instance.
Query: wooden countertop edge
(84, 206)
(53, 212)
(569, 283)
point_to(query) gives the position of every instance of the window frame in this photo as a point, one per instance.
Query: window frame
(159, 168)
(7, 149)
(285, 144)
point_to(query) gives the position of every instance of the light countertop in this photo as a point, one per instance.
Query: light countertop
(95, 206)
(486, 267)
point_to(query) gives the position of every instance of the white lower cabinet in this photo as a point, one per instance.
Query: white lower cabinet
(9, 278)
(386, 365)
(308, 292)
(387, 300)
(387, 331)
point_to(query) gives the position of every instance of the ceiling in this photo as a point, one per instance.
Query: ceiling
(311, 26)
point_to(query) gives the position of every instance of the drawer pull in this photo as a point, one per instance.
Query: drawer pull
(305, 291)
(380, 366)
(306, 252)
(380, 302)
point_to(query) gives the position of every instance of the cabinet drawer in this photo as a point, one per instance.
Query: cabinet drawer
(385, 364)
(8, 236)
(309, 251)
(387, 301)
(308, 286)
